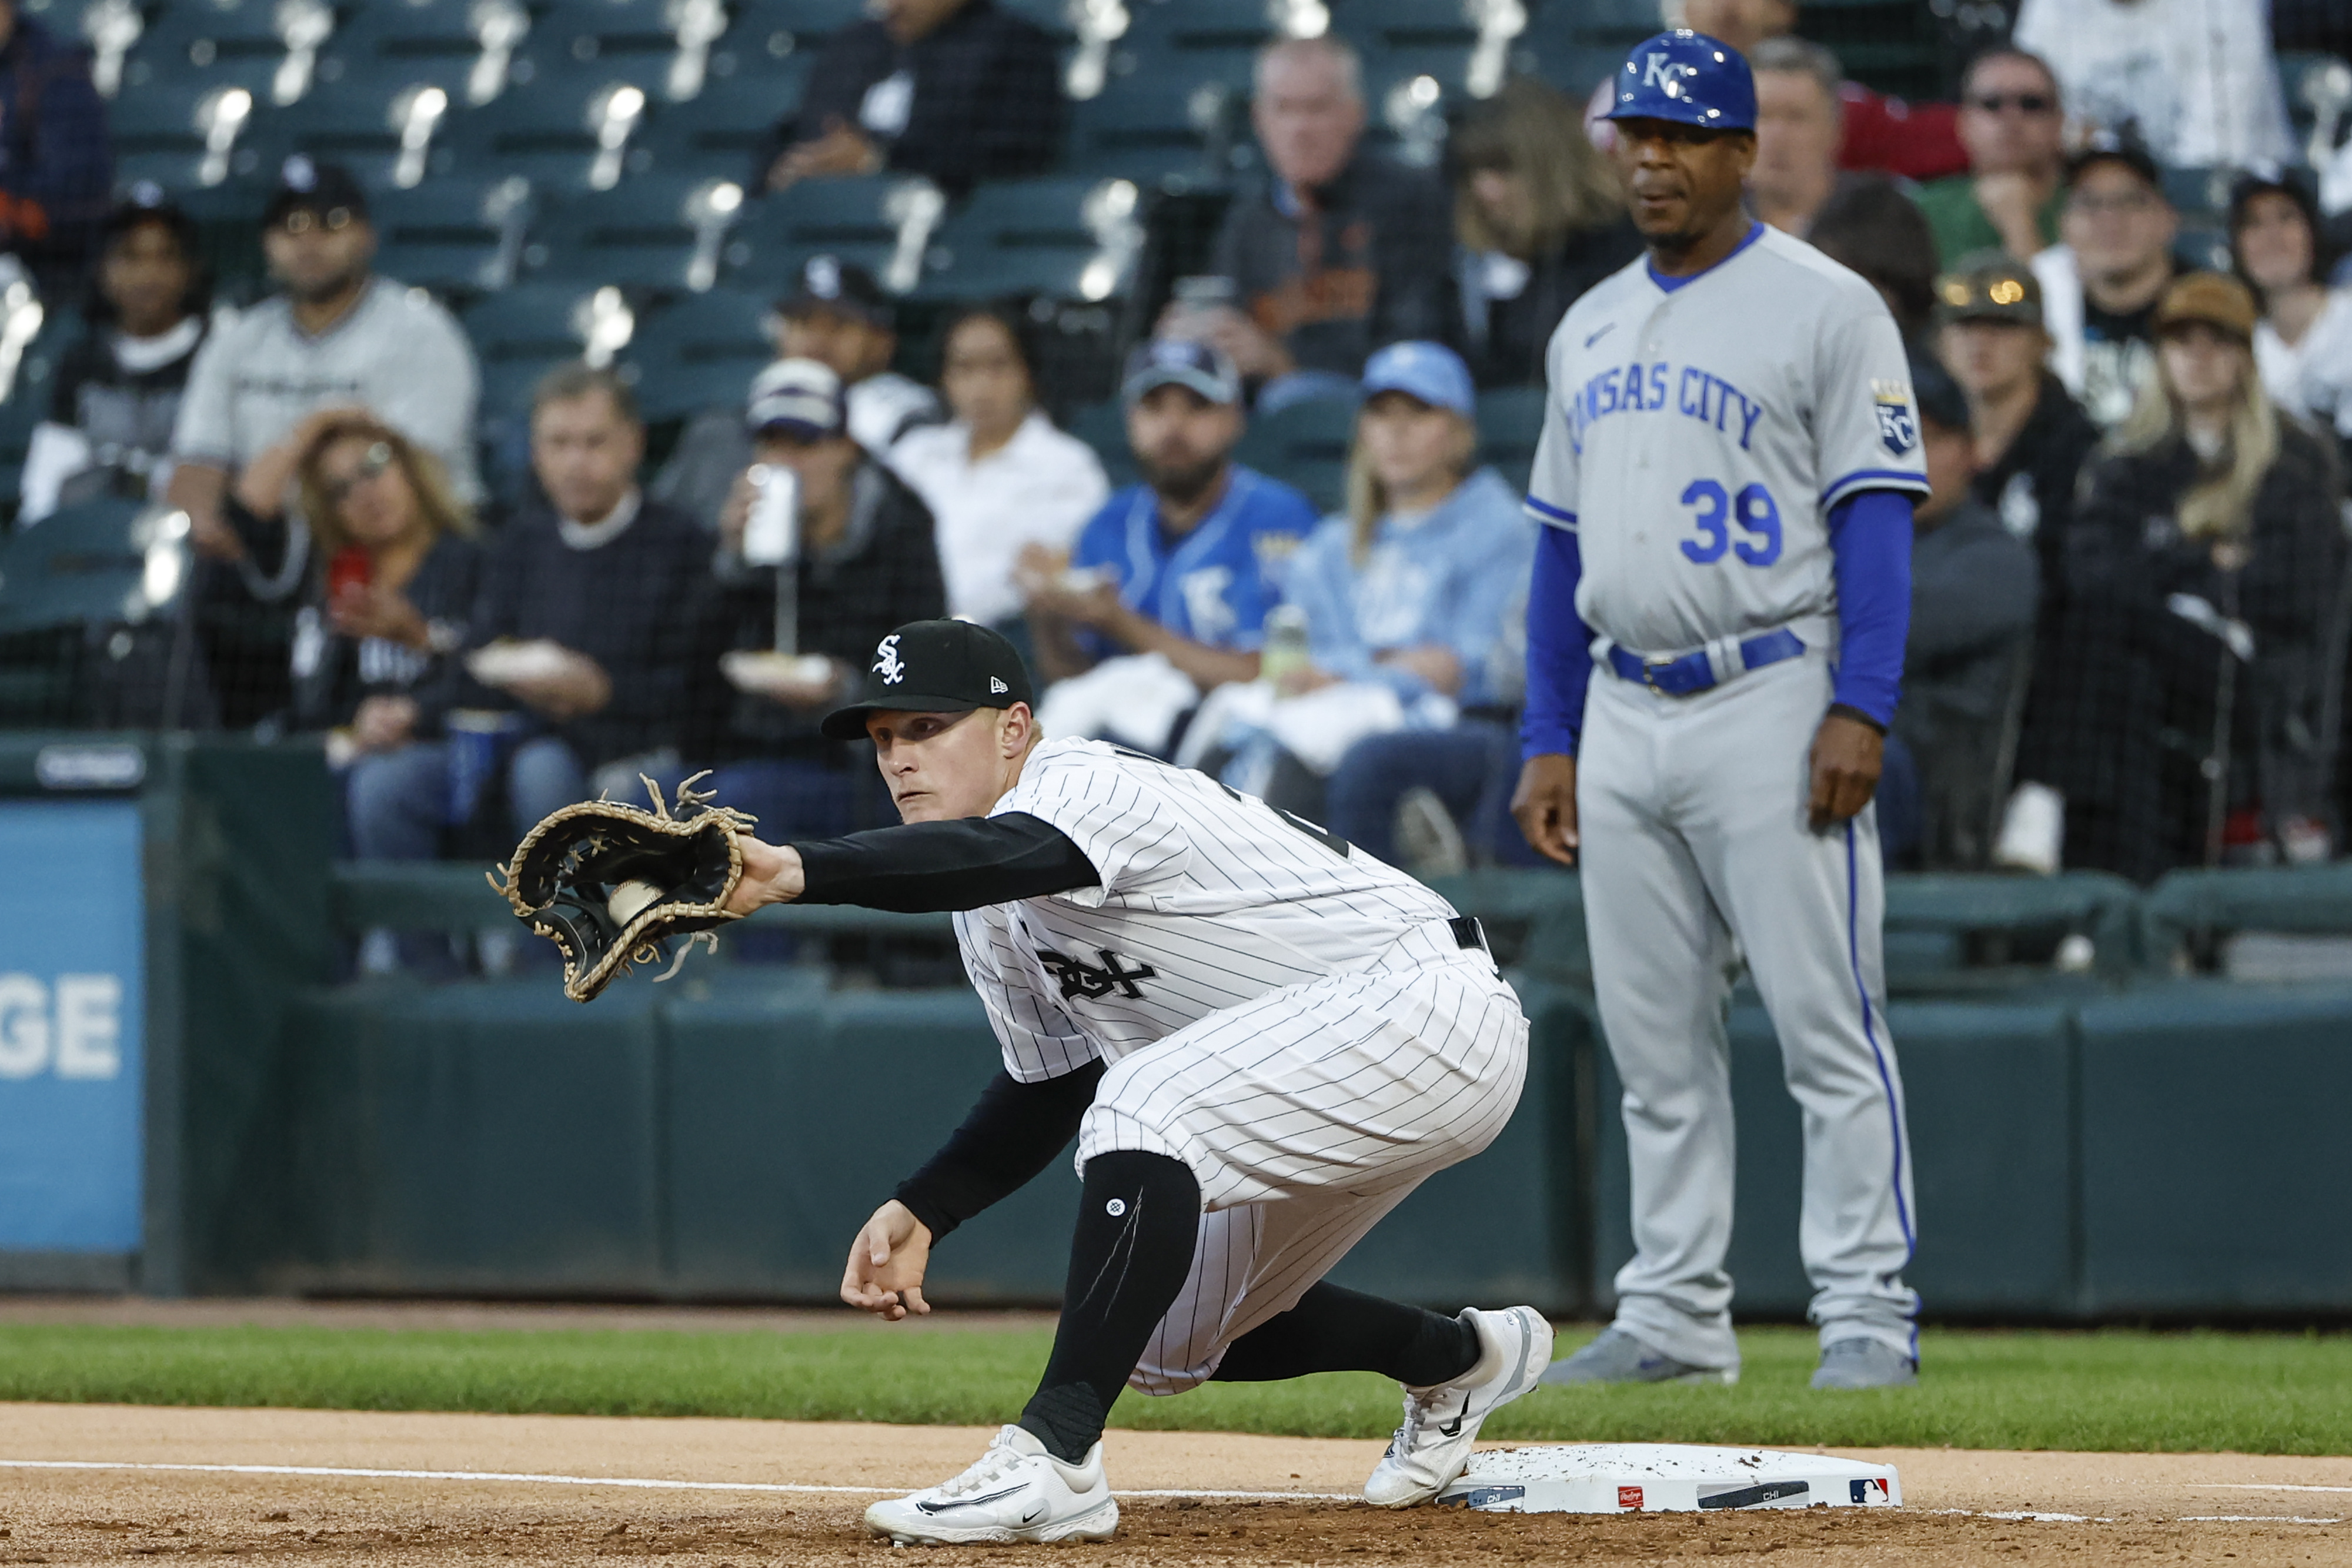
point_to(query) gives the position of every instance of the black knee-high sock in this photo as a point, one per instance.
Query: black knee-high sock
(1334, 1329)
(1138, 1219)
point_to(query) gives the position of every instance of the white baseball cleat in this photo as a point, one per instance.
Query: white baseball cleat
(1017, 1491)
(1440, 1423)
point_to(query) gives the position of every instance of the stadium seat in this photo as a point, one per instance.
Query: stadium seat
(1066, 237)
(522, 332)
(453, 235)
(722, 130)
(225, 41)
(543, 127)
(1163, 132)
(81, 565)
(361, 124)
(1194, 40)
(701, 351)
(1305, 444)
(387, 47)
(860, 220)
(653, 231)
(1509, 421)
(1103, 426)
(159, 133)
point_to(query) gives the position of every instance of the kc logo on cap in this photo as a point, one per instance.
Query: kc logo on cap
(298, 174)
(887, 662)
(823, 277)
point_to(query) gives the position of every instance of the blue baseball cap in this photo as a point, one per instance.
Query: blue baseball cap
(1686, 77)
(1430, 371)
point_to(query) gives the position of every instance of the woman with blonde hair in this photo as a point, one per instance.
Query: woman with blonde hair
(1538, 218)
(1404, 597)
(395, 565)
(2205, 572)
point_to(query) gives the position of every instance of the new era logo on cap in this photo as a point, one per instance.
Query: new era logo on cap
(996, 686)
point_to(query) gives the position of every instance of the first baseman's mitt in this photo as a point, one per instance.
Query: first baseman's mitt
(613, 885)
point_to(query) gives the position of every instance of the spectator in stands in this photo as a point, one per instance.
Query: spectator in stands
(2030, 436)
(1403, 597)
(1872, 227)
(2195, 80)
(395, 574)
(840, 316)
(866, 564)
(2100, 288)
(336, 339)
(1166, 595)
(2276, 249)
(2209, 550)
(581, 629)
(1974, 587)
(1798, 132)
(117, 391)
(56, 165)
(2013, 123)
(955, 90)
(998, 477)
(1881, 133)
(1539, 219)
(1340, 251)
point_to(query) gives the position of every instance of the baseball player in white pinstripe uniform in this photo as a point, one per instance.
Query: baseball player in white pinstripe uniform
(1262, 1039)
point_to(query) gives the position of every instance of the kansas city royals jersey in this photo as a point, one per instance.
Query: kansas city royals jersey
(1214, 584)
(1208, 899)
(1698, 431)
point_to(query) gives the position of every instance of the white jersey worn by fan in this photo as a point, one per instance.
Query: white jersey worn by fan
(1300, 1024)
(1700, 432)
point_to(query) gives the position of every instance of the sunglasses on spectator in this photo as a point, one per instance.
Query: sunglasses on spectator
(372, 461)
(302, 220)
(2024, 102)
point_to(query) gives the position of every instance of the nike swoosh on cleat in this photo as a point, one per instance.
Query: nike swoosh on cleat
(1452, 1428)
(1034, 1515)
(970, 1501)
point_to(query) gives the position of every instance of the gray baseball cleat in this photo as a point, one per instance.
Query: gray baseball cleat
(1864, 1364)
(1618, 1357)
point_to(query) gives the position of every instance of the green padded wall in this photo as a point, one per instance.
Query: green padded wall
(2215, 1158)
(1988, 1091)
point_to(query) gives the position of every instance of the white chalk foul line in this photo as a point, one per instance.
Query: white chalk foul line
(637, 1483)
(2252, 1519)
(2263, 1486)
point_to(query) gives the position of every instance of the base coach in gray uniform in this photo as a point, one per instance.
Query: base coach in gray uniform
(1262, 1039)
(1714, 646)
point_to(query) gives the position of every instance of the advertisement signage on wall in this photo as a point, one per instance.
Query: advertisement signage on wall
(72, 1017)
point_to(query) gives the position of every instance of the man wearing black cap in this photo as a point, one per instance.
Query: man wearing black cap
(866, 563)
(840, 316)
(2100, 286)
(1973, 592)
(1261, 1038)
(336, 337)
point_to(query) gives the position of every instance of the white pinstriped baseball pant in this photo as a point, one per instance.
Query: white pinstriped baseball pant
(1306, 1115)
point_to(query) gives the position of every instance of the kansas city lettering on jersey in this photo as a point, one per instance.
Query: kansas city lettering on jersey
(1692, 392)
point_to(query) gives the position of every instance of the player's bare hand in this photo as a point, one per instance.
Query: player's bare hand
(1846, 758)
(1544, 805)
(884, 1275)
(772, 874)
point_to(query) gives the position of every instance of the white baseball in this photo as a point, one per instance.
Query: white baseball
(631, 899)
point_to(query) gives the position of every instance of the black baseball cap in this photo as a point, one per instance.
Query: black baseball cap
(935, 666)
(845, 288)
(304, 183)
(2124, 147)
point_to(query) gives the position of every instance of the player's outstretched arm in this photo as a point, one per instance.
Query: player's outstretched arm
(885, 1275)
(772, 874)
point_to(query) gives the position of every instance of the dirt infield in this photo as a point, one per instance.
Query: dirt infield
(582, 1489)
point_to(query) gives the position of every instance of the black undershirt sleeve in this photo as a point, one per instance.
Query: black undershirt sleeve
(925, 868)
(1013, 1133)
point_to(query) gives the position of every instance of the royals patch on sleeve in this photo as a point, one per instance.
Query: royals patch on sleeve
(1898, 427)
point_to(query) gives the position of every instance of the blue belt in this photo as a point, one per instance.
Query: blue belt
(1691, 673)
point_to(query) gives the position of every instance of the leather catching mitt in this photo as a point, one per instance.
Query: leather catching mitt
(614, 885)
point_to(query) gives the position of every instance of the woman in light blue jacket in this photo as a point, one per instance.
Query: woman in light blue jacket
(1407, 598)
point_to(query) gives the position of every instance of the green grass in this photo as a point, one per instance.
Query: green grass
(2281, 1394)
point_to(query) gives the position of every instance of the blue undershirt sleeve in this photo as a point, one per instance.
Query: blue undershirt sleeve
(1559, 649)
(1870, 545)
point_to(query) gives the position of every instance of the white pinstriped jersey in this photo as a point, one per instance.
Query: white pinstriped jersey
(1697, 435)
(1208, 899)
